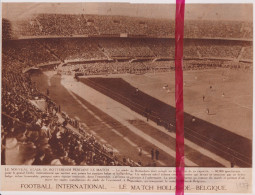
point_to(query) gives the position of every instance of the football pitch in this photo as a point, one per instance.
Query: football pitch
(227, 95)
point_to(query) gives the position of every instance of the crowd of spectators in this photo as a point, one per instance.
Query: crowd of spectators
(165, 48)
(106, 68)
(31, 135)
(98, 68)
(30, 52)
(28, 28)
(6, 29)
(36, 52)
(162, 47)
(190, 50)
(247, 53)
(216, 51)
(244, 66)
(57, 25)
(109, 25)
(75, 49)
(126, 48)
(160, 28)
(217, 29)
(219, 50)
(202, 64)
(40, 132)
(67, 25)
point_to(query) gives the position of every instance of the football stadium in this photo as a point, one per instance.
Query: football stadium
(80, 89)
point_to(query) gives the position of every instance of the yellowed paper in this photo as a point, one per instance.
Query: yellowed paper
(88, 97)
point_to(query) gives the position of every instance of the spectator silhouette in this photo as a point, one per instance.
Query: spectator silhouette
(152, 154)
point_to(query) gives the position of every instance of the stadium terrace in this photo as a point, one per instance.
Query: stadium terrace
(88, 45)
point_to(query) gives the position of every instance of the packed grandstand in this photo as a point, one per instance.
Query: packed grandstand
(97, 45)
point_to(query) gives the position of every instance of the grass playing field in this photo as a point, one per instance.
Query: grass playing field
(229, 99)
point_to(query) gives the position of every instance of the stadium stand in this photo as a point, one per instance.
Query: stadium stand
(219, 49)
(190, 50)
(46, 140)
(65, 25)
(74, 49)
(161, 28)
(6, 29)
(162, 48)
(100, 45)
(247, 53)
(219, 29)
(57, 25)
(126, 48)
(31, 52)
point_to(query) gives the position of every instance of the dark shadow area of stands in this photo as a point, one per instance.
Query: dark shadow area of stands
(59, 94)
(232, 147)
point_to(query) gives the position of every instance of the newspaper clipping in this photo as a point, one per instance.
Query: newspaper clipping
(88, 97)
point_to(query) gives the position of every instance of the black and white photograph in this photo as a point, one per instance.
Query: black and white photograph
(93, 84)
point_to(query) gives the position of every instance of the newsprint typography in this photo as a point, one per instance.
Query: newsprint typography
(88, 97)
